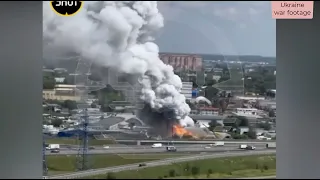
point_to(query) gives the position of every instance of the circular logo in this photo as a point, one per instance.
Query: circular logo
(66, 8)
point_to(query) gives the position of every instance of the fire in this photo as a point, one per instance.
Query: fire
(180, 131)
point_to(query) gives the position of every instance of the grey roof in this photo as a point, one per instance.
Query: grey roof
(48, 70)
(112, 120)
(205, 117)
(135, 121)
(230, 120)
(106, 122)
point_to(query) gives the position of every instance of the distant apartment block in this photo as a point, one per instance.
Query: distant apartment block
(182, 61)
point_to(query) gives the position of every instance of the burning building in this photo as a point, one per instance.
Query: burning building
(108, 36)
(165, 125)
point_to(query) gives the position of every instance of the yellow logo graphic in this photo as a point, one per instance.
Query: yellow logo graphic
(66, 8)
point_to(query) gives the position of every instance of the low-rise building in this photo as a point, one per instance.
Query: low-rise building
(61, 92)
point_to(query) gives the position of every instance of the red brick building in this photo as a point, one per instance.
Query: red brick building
(182, 61)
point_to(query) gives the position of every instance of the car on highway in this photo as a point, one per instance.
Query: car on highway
(91, 148)
(171, 149)
(207, 147)
(106, 147)
(142, 164)
(249, 147)
(55, 151)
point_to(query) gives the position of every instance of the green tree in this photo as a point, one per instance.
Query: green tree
(209, 172)
(244, 122)
(187, 167)
(172, 173)
(70, 104)
(272, 113)
(111, 176)
(252, 133)
(210, 82)
(211, 92)
(238, 136)
(266, 126)
(57, 122)
(48, 82)
(213, 124)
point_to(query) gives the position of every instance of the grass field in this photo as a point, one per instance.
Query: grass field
(59, 164)
(71, 141)
(233, 167)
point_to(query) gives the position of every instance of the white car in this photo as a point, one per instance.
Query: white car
(106, 147)
(207, 147)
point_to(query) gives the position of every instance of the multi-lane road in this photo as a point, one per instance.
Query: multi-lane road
(157, 163)
(149, 142)
(122, 149)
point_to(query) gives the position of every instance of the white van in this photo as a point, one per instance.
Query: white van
(243, 146)
(156, 145)
(219, 143)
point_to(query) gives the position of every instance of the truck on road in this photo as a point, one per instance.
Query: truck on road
(271, 145)
(219, 143)
(53, 146)
(243, 146)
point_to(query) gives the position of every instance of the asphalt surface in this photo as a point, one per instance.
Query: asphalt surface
(157, 163)
(262, 177)
(195, 142)
(147, 149)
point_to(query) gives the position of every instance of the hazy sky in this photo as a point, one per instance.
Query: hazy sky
(229, 27)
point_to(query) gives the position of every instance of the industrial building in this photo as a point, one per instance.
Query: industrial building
(118, 126)
(61, 92)
(182, 61)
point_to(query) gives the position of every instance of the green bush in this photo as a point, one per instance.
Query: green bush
(111, 176)
(172, 173)
(239, 136)
(195, 170)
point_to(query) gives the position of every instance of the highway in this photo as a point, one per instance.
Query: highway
(157, 163)
(144, 142)
(148, 149)
(263, 177)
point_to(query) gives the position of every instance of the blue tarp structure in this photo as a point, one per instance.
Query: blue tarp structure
(195, 93)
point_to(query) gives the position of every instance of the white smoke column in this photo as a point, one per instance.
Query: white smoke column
(118, 34)
(187, 121)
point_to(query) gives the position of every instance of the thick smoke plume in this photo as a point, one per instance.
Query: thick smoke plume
(119, 35)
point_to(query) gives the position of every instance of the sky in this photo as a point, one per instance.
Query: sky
(226, 27)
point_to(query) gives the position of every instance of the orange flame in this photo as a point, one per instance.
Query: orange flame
(180, 131)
